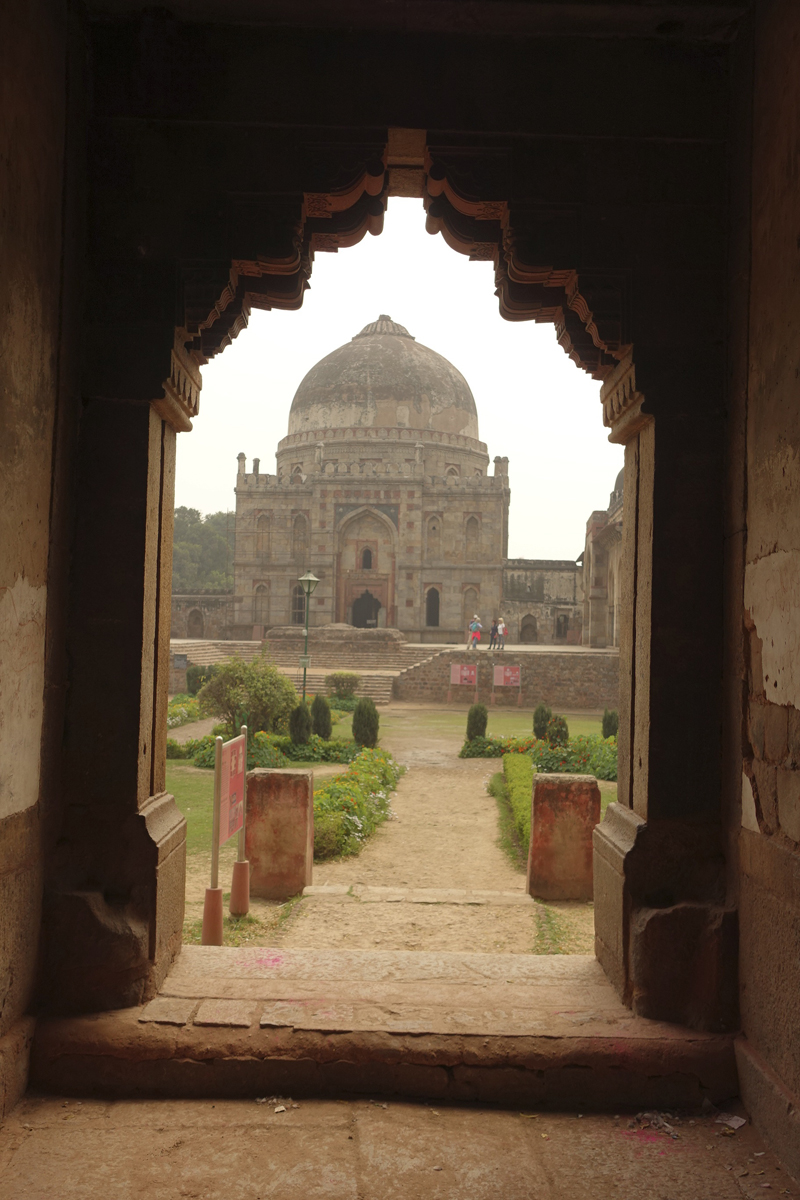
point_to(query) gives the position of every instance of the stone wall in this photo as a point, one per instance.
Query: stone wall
(203, 617)
(763, 553)
(563, 679)
(33, 378)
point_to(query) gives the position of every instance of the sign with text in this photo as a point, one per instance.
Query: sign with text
(506, 676)
(464, 673)
(231, 809)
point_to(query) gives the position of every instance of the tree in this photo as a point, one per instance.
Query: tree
(254, 694)
(202, 551)
(365, 722)
(321, 717)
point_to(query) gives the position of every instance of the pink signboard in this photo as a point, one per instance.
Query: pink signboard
(506, 676)
(464, 673)
(231, 809)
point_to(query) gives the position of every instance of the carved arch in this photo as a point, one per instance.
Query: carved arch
(458, 189)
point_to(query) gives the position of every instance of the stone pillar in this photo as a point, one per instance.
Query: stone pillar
(565, 810)
(280, 832)
(115, 896)
(658, 854)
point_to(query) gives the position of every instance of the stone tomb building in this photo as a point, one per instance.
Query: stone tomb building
(383, 490)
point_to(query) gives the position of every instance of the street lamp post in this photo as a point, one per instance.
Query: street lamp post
(308, 582)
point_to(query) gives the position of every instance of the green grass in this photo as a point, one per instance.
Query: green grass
(193, 789)
(428, 721)
(551, 931)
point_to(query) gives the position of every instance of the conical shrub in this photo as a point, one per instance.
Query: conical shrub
(300, 724)
(365, 722)
(476, 721)
(321, 717)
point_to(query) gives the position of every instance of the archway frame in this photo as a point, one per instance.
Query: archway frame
(372, 577)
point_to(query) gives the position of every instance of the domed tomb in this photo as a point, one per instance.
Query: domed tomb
(384, 378)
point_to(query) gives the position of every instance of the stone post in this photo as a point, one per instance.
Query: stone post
(280, 832)
(565, 810)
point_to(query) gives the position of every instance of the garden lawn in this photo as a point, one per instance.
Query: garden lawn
(431, 721)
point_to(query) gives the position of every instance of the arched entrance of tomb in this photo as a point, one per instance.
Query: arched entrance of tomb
(529, 629)
(365, 611)
(664, 488)
(366, 554)
(195, 624)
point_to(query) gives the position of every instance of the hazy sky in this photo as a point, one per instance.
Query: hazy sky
(533, 403)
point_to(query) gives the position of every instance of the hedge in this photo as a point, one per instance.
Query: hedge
(351, 806)
(581, 756)
(268, 750)
(518, 772)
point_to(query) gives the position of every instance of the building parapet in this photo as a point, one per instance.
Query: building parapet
(369, 433)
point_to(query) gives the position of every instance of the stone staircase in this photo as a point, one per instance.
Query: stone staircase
(377, 681)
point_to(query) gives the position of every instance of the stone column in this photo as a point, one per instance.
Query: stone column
(659, 868)
(115, 900)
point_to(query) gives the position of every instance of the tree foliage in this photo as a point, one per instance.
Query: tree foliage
(254, 694)
(321, 716)
(202, 552)
(476, 721)
(365, 722)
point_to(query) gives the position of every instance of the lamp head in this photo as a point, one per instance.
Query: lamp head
(309, 582)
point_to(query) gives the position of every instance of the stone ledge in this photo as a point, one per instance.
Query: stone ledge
(507, 1029)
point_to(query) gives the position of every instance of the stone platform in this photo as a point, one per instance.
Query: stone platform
(508, 1029)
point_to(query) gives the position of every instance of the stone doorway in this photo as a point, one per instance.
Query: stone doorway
(365, 611)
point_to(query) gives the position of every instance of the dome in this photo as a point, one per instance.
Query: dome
(619, 482)
(383, 377)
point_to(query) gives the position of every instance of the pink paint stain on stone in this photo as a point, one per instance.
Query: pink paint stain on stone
(271, 960)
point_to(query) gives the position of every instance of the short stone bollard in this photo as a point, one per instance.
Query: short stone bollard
(279, 836)
(565, 810)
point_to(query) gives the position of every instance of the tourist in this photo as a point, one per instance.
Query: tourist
(475, 628)
(502, 631)
(493, 634)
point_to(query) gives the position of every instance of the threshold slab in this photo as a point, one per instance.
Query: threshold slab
(546, 1031)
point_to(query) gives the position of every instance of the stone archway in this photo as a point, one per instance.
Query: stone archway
(195, 625)
(529, 629)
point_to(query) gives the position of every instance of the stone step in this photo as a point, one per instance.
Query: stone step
(540, 1031)
(359, 892)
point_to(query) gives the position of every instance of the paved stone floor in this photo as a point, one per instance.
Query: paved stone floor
(367, 1150)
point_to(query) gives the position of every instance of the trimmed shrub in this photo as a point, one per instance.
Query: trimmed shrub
(262, 751)
(610, 723)
(518, 772)
(541, 716)
(557, 731)
(476, 722)
(342, 684)
(321, 717)
(300, 725)
(352, 806)
(365, 723)
(176, 749)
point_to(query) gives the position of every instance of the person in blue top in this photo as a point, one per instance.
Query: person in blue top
(475, 628)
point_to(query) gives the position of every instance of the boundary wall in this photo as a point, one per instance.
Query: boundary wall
(565, 679)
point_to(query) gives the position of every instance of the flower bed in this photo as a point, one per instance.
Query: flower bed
(352, 806)
(580, 756)
(182, 710)
(268, 750)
